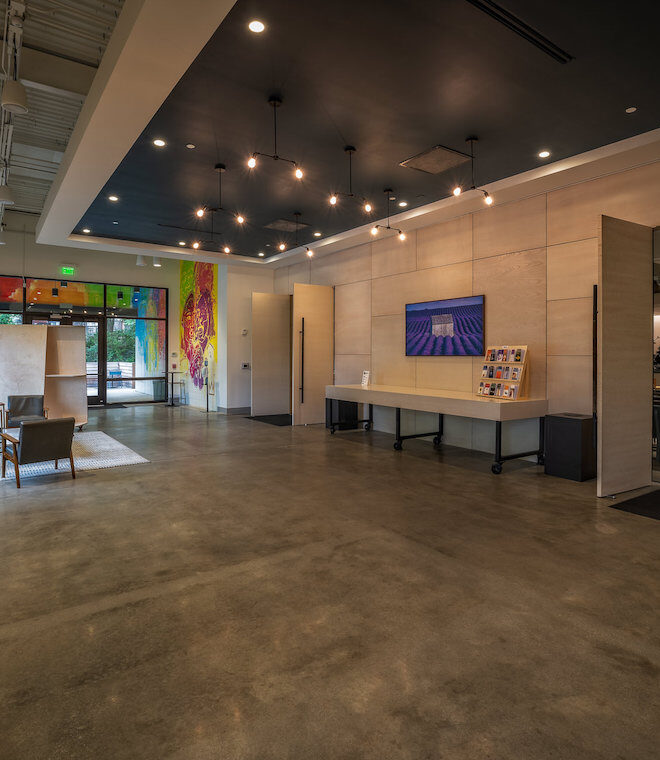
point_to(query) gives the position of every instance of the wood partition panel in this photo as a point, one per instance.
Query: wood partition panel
(22, 360)
(625, 340)
(313, 357)
(271, 354)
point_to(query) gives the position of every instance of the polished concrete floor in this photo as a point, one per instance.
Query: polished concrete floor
(263, 593)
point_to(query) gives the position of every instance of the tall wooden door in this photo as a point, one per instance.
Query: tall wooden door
(625, 345)
(271, 354)
(313, 351)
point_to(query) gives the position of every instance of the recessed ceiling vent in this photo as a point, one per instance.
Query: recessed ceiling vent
(525, 31)
(286, 225)
(436, 160)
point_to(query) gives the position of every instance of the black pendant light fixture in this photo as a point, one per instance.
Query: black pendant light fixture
(367, 207)
(275, 101)
(377, 227)
(201, 212)
(210, 211)
(488, 199)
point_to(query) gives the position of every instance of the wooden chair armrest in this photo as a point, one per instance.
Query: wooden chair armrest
(8, 437)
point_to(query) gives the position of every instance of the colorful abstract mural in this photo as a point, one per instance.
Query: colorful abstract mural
(58, 295)
(11, 294)
(134, 301)
(198, 335)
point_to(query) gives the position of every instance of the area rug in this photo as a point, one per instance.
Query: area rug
(281, 420)
(647, 505)
(91, 451)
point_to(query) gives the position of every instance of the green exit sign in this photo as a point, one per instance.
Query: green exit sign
(68, 271)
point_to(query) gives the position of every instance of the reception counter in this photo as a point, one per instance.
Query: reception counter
(441, 402)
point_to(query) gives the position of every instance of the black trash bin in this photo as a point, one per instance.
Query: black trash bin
(570, 449)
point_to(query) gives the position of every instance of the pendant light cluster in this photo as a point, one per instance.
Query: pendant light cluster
(275, 101)
(377, 227)
(367, 207)
(202, 211)
(488, 199)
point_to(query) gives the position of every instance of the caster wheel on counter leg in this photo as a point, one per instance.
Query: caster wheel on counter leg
(496, 469)
(332, 431)
(398, 445)
(436, 440)
(367, 426)
(540, 459)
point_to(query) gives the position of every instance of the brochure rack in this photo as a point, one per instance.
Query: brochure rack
(505, 373)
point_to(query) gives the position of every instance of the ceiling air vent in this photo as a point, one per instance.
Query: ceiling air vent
(518, 26)
(436, 160)
(286, 225)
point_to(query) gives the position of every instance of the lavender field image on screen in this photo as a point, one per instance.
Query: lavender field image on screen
(445, 328)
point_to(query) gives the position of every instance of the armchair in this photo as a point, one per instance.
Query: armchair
(23, 409)
(38, 441)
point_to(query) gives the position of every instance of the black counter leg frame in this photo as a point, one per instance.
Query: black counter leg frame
(399, 439)
(496, 467)
(368, 423)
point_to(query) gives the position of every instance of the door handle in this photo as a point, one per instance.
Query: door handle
(302, 362)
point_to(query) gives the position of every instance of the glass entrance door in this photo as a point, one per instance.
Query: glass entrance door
(93, 360)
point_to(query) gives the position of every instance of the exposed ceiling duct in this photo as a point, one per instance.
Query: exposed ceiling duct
(60, 46)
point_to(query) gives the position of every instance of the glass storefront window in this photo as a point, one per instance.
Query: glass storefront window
(64, 297)
(11, 295)
(11, 319)
(135, 347)
(133, 301)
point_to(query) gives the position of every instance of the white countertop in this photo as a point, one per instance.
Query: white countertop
(457, 403)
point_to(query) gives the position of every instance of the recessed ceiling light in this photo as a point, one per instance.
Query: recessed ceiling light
(190, 146)
(227, 249)
(113, 198)
(631, 109)
(403, 204)
(317, 234)
(256, 26)
(281, 246)
(544, 154)
(392, 197)
(261, 253)
(199, 212)
(457, 191)
(195, 245)
(182, 242)
(159, 142)
(115, 222)
(86, 230)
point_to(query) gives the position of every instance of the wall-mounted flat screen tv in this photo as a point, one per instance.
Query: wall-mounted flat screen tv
(453, 327)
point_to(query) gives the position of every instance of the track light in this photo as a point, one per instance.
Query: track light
(457, 190)
(298, 172)
(227, 249)
(333, 200)
(252, 162)
(195, 245)
(488, 199)
(14, 97)
(402, 236)
(200, 212)
(368, 207)
(374, 230)
(240, 218)
(310, 253)
(282, 247)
